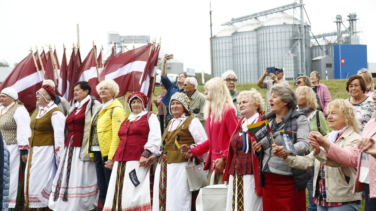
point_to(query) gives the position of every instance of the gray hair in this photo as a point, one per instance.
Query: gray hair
(192, 81)
(50, 83)
(227, 73)
(109, 83)
(286, 93)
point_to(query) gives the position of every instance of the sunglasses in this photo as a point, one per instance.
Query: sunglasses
(297, 83)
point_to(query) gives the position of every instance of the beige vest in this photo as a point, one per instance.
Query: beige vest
(42, 132)
(8, 126)
(185, 137)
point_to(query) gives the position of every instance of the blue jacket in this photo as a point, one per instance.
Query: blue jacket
(171, 89)
(4, 170)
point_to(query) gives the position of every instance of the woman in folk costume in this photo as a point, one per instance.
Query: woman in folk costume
(47, 134)
(104, 129)
(242, 166)
(139, 139)
(15, 128)
(221, 121)
(171, 191)
(75, 185)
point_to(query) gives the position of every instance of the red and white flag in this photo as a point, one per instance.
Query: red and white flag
(72, 70)
(126, 69)
(63, 79)
(26, 80)
(147, 79)
(88, 72)
(100, 61)
(49, 68)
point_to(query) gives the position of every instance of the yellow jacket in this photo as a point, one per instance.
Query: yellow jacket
(108, 127)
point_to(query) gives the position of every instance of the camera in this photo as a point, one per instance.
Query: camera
(196, 110)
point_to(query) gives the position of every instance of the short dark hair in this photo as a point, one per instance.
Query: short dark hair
(84, 86)
(363, 84)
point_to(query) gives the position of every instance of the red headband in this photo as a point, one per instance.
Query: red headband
(50, 91)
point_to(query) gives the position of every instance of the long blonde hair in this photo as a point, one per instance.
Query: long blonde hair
(219, 99)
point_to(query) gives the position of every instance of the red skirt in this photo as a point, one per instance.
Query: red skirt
(279, 193)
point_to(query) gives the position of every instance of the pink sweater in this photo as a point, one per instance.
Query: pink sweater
(353, 158)
(324, 95)
(219, 134)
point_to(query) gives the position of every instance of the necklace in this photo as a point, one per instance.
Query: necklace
(171, 132)
(2, 114)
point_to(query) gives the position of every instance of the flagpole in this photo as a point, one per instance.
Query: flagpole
(151, 90)
(40, 60)
(122, 48)
(74, 49)
(96, 62)
(102, 55)
(66, 62)
(53, 64)
(35, 63)
(57, 60)
(155, 78)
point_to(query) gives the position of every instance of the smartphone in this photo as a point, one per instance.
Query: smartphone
(171, 56)
(271, 70)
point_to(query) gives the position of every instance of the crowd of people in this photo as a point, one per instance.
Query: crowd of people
(92, 154)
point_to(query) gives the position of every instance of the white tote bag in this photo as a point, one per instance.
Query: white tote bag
(196, 175)
(212, 197)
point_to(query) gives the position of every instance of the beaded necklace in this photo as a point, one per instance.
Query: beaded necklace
(171, 132)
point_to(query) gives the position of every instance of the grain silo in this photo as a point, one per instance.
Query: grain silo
(244, 44)
(222, 50)
(279, 45)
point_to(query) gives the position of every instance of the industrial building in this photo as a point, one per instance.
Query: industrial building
(274, 38)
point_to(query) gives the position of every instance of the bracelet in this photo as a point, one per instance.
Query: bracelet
(146, 153)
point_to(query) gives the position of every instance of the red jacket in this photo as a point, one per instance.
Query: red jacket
(255, 160)
(219, 135)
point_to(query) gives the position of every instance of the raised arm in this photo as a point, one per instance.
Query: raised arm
(163, 71)
(260, 82)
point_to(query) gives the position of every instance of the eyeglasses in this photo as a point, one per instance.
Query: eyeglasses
(297, 83)
(231, 80)
(277, 72)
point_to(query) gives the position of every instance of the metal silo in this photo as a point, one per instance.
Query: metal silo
(244, 44)
(222, 50)
(279, 45)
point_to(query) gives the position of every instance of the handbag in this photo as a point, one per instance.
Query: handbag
(212, 197)
(196, 175)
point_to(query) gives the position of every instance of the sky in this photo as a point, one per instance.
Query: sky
(183, 25)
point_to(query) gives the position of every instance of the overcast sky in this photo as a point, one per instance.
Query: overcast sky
(183, 25)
